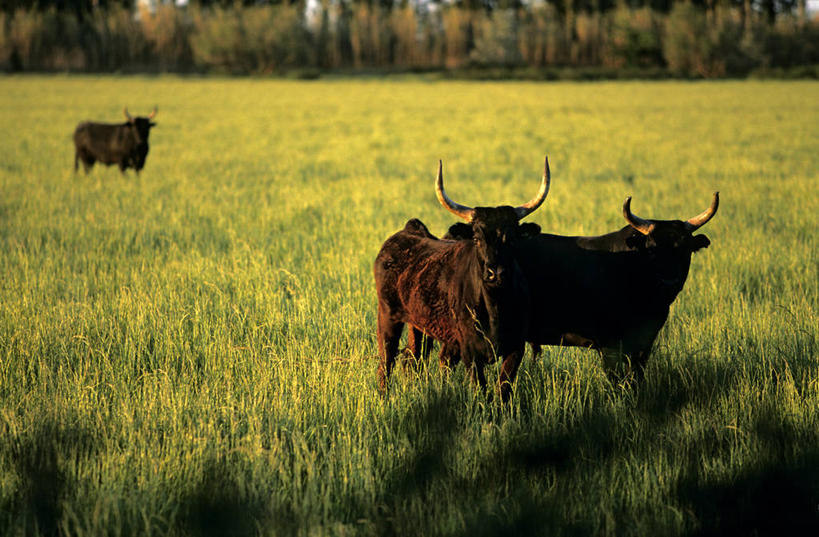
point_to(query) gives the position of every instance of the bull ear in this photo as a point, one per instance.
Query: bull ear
(416, 227)
(459, 232)
(698, 242)
(529, 229)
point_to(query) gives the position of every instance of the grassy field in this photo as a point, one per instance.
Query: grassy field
(192, 351)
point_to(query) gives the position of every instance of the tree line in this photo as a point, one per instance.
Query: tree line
(575, 38)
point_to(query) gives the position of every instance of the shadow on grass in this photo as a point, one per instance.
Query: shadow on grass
(776, 490)
(424, 492)
(224, 501)
(447, 476)
(773, 498)
(40, 458)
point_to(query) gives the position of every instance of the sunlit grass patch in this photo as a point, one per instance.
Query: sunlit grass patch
(195, 347)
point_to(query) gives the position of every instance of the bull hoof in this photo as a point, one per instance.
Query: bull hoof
(381, 378)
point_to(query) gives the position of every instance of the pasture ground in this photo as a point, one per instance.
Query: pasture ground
(192, 351)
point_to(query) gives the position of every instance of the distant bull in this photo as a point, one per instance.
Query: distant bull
(469, 294)
(124, 144)
(610, 292)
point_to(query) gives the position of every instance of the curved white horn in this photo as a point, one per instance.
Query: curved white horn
(701, 219)
(643, 226)
(456, 208)
(530, 206)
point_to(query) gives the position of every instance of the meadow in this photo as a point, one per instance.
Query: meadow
(192, 351)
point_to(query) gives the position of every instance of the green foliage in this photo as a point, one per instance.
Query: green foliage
(686, 49)
(284, 39)
(252, 40)
(169, 35)
(636, 37)
(725, 45)
(192, 351)
(497, 43)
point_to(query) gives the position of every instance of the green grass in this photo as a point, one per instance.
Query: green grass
(192, 352)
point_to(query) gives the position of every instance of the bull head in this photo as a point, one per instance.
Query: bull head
(131, 119)
(672, 232)
(494, 229)
(141, 126)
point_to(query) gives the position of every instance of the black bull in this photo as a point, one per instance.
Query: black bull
(469, 294)
(124, 144)
(611, 292)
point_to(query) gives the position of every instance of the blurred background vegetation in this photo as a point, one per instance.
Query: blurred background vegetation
(467, 38)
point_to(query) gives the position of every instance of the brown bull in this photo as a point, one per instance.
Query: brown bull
(469, 294)
(123, 144)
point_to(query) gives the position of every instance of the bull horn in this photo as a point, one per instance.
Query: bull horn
(152, 114)
(456, 208)
(701, 219)
(530, 206)
(127, 115)
(643, 226)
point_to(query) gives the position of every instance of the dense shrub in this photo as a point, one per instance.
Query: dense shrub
(255, 40)
(636, 37)
(791, 44)
(118, 42)
(497, 40)
(545, 39)
(686, 47)
(689, 41)
(168, 33)
(592, 38)
(697, 45)
(46, 40)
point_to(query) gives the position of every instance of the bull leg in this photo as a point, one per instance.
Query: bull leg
(476, 373)
(417, 350)
(389, 336)
(638, 363)
(87, 161)
(623, 365)
(123, 165)
(638, 345)
(638, 358)
(509, 369)
(76, 161)
(613, 363)
(449, 356)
